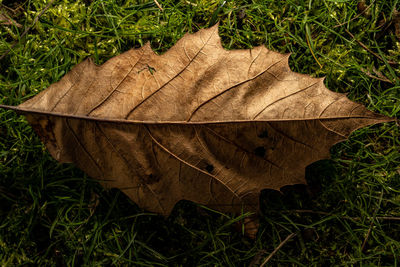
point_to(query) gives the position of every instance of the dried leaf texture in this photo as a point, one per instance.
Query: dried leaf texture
(199, 123)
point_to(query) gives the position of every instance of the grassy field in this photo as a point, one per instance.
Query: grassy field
(349, 214)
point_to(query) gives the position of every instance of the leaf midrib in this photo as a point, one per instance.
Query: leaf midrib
(117, 120)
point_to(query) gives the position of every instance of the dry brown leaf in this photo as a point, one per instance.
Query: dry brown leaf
(198, 123)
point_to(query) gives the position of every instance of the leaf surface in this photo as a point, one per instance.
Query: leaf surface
(198, 122)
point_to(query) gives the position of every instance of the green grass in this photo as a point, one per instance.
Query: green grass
(52, 214)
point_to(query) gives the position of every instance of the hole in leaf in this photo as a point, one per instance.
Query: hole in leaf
(209, 168)
(260, 151)
(264, 134)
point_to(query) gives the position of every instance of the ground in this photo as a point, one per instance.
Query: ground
(348, 214)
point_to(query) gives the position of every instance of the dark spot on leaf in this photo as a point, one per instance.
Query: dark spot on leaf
(151, 179)
(264, 134)
(204, 165)
(260, 151)
(209, 168)
(49, 127)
